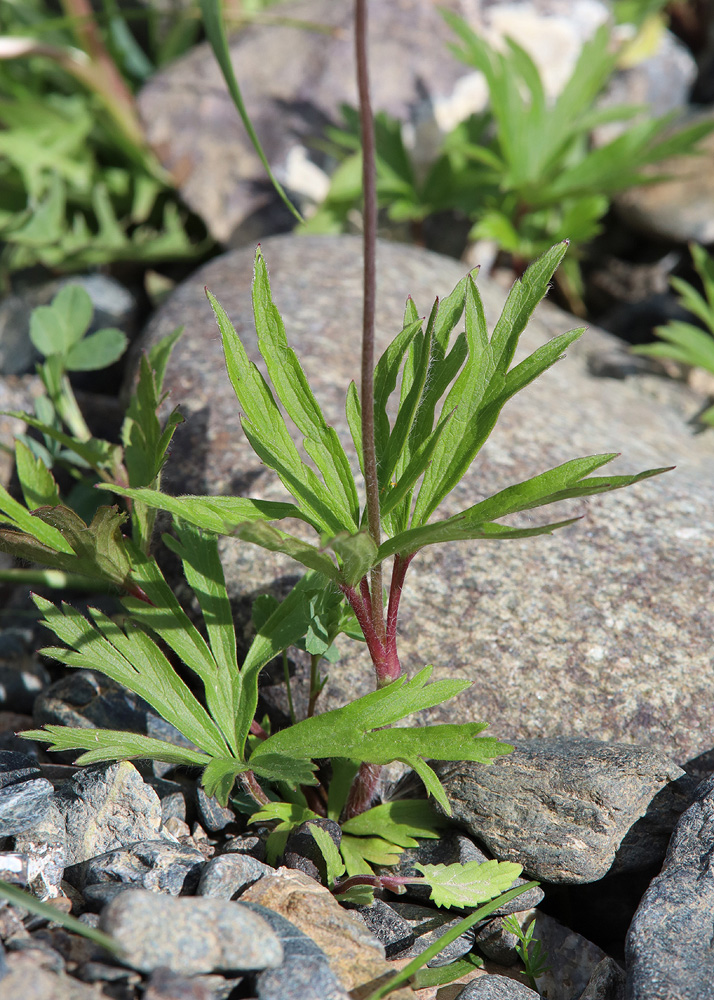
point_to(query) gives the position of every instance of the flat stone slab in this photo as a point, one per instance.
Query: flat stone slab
(602, 630)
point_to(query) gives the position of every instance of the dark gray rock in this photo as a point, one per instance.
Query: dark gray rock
(90, 700)
(25, 795)
(96, 896)
(571, 957)
(395, 933)
(213, 816)
(305, 972)
(22, 677)
(158, 865)
(226, 876)
(497, 943)
(571, 634)
(570, 810)
(301, 850)
(428, 925)
(668, 948)
(245, 844)
(107, 806)
(607, 982)
(189, 935)
(496, 988)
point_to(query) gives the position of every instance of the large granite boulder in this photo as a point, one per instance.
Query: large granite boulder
(602, 630)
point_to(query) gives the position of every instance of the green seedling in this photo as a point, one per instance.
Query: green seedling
(529, 950)
(685, 342)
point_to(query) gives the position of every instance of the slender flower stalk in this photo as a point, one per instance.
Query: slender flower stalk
(369, 188)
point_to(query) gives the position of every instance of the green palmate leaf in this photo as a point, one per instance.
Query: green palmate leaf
(330, 852)
(457, 529)
(470, 884)
(132, 659)
(355, 862)
(98, 350)
(269, 437)
(386, 373)
(38, 484)
(289, 816)
(25, 901)
(107, 744)
(320, 440)
(399, 822)
(349, 731)
(221, 515)
(56, 328)
(373, 850)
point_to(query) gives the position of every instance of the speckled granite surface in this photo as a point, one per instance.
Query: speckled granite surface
(604, 629)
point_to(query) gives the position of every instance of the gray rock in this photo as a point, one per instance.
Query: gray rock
(497, 943)
(213, 816)
(301, 850)
(226, 876)
(668, 949)
(394, 932)
(496, 988)
(571, 634)
(107, 806)
(607, 982)
(293, 84)
(428, 925)
(570, 810)
(26, 979)
(157, 865)
(13, 867)
(90, 700)
(190, 936)
(164, 984)
(25, 796)
(305, 972)
(22, 677)
(44, 844)
(572, 959)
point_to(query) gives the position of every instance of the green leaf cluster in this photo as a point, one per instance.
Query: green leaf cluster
(524, 171)
(78, 187)
(686, 342)
(450, 391)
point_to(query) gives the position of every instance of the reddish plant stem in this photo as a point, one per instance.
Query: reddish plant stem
(364, 591)
(362, 792)
(392, 882)
(250, 783)
(257, 730)
(399, 571)
(369, 303)
(374, 644)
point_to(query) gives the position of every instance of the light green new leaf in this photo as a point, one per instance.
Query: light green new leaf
(265, 428)
(218, 514)
(38, 484)
(373, 850)
(469, 884)
(107, 744)
(131, 658)
(98, 350)
(54, 329)
(320, 440)
(330, 852)
(399, 822)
